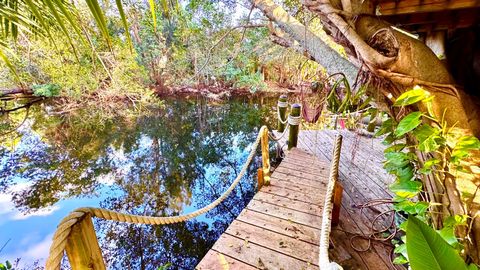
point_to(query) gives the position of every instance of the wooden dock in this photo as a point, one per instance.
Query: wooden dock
(279, 229)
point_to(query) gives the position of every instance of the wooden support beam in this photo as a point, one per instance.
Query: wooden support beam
(265, 158)
(337, 203)
(82, 246)
(390, 7)
(260, 178)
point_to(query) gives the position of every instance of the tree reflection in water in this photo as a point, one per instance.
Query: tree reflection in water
(159, 162)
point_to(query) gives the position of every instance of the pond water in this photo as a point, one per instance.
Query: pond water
(163, 161)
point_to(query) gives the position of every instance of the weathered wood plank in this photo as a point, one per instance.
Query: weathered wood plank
(420, 6)
(282, 226)
(285, 213)
(258, 256)
(280, 189)
(289, 203)
(299, 188)
(278, 242)
(216, 260)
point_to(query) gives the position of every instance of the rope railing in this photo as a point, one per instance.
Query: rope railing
(323, 259)
(64, 229)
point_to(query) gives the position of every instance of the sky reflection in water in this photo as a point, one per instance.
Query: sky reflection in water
(160, 162)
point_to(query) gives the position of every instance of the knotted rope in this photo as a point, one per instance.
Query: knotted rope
(64, 228)
(323, 260)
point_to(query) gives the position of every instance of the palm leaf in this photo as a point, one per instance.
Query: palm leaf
(97, 13)
(5, 59)
(61, 23)
(125, 23)
(152, 10)
(35, 11)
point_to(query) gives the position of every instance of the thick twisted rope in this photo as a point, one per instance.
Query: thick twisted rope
(323, 260)
(281, 104)
(274, 138)
(64, 228)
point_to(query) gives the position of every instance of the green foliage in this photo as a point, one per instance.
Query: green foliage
(408, 123)
(342, 99)
(413, 96)
(46, 90)
(428, 250)
(6, 266)
(463, 148)
(165, 266)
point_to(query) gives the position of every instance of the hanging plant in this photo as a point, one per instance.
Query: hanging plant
(345, 107)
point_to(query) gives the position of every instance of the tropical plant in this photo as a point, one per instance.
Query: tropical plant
(419, 134)
(341, 99)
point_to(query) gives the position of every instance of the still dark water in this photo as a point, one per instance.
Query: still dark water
(163, 161)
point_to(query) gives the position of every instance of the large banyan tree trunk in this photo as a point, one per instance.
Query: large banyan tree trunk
(399, 62)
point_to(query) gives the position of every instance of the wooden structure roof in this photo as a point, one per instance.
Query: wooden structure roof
(420, 16)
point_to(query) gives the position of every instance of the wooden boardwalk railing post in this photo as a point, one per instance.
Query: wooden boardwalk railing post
(282, 112)
(265, 160)
(82, 246)
(294, 122)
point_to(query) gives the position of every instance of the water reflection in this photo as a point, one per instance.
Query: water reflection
(160, 162)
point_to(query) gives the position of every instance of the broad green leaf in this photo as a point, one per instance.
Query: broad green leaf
(427, 250)
(386, 127)
(413, 96)
(406, 189)
(405, 173)
(428, 138)
(408, 123)
(463, 148)
(395, 148)
(429, 165)
(400, 259)
(414, 208)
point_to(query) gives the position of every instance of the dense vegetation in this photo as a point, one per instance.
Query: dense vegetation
(169, 45)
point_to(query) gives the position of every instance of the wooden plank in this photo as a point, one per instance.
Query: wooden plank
(282, 226)
(280, 189)
(278, 242)
(294, 179)
(288, 214)
(300, 188)
(289, 203)
(258, 256)
(419, 6)
(216, 260)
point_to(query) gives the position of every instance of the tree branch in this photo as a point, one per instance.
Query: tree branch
(313, 44)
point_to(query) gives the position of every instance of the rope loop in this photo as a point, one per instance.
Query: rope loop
(65, 227)
(294, 120)
(282, 104)
(283, 122)
(273, 138)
